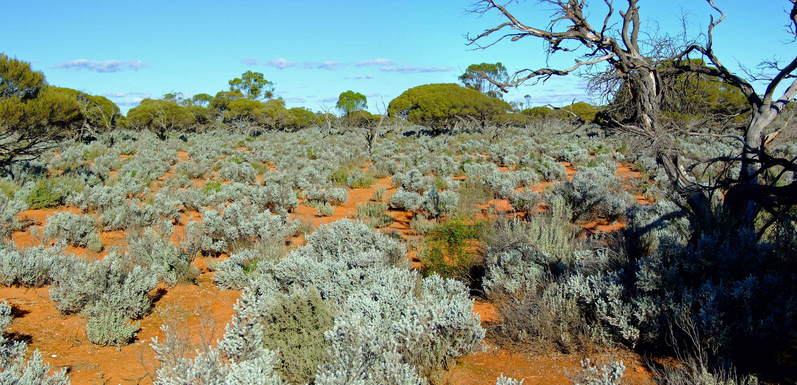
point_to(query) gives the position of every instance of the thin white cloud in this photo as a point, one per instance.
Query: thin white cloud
(129, 102)
(558, 99)
(383, 64)
(127, 99)
(116, 95)
(326, 65)
(102, 66)
(374, 62)
(360, 77)
(280, 63)
(415, 69)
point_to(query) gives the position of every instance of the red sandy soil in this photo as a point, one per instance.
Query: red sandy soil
(483, 368)
(199, 310)
(202, 310)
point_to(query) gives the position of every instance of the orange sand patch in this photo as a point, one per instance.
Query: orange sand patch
(183, 156)
(487, 312)
(485, 367)
(201, 311)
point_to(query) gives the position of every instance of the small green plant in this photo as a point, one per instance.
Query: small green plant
(212, 186)
(8, 188)
(259, 167)
(94, 243)
(363, 181)
(325, 209)
(51, 192)
(450, 248)
(340, 177)
(374, 214)
(379, 194)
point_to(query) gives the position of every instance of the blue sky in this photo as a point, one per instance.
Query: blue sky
(313, 50)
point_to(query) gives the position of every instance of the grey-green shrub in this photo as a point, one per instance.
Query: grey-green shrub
(237, 226)
(75, 229)
(108, 327)
(9, 208)
(154, 251)
(209, 366)
(294, 327)
(405, 200)
(31, 267)
(333, 195)
(109, 282)
(438, 203)
(595, 192)
(609, 374)
(238, 172)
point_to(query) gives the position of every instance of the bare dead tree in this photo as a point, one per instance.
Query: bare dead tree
(617, 51)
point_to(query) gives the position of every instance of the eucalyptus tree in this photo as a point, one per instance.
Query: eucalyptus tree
(350, 101)
(33, 115)
(253, 85)
(614, 49)
(473, 79)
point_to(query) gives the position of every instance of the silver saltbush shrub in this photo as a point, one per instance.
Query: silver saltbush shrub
(75, 229)
(405, 200)
(8, 215)
(31, 267)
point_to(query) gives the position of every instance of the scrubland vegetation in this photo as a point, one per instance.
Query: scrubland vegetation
(663, 230)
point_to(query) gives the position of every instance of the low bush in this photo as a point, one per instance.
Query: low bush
(151, 248)
(373, 214)
(436, 204)
(450, 248)
(238, 172)
(610, 374)
(235, 227)
(335, 196)
(51, 192)
(110, 328)
(237, 271)
(325, 209)
(30, 267)
(75, 229)
(405, 200)
(105, 285)
(379, 194)
(595, 192)
(208, 366)
(294, 326)
(9, 208)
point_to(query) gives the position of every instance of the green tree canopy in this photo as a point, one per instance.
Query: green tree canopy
(351, 101)
(202, 100)
(159, 116)
(253, 85)
(221, 101)
(244, 111)
(33, 115)
(474, 79)
(438, 105)
(17, 79)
